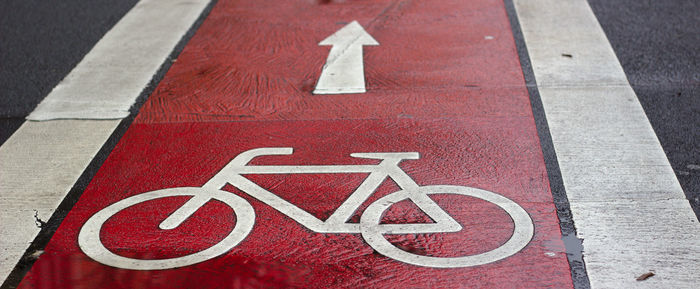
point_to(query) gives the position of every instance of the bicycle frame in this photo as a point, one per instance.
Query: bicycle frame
(233, 173)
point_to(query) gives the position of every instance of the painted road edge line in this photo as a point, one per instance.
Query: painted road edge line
(626, 202)
(42, 160)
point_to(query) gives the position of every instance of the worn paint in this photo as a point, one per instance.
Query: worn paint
(245, 82)
(155, 156)
(266, 67)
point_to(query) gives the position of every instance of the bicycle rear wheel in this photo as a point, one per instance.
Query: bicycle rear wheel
(90, 243)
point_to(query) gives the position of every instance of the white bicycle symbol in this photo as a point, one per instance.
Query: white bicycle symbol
(370, 228)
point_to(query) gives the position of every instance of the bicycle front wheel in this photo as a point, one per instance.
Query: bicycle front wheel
(373, 232)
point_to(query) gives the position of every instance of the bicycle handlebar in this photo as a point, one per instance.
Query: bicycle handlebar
(243, 158)
(384, 156)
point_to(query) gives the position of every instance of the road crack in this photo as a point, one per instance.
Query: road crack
(39, 223)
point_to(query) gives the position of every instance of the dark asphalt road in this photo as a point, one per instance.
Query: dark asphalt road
(656, 42)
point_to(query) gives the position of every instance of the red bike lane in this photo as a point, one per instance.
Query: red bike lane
(444, 82)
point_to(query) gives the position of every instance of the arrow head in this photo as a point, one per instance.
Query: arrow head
(351, 34)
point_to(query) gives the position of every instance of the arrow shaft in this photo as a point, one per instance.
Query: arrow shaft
(343, 71)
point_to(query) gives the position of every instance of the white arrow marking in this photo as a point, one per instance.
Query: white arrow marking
(344, 70)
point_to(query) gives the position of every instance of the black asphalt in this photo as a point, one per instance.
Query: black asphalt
(658, 45)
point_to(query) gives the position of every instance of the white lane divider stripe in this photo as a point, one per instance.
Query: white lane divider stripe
(627, 204)
(41, 161)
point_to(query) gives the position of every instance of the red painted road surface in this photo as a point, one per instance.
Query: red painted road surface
(445, 82)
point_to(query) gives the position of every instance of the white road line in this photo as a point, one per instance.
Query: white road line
(627, 204)
(41, 161)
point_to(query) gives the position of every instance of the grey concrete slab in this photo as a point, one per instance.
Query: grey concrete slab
(623, 238)
(40, 164)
